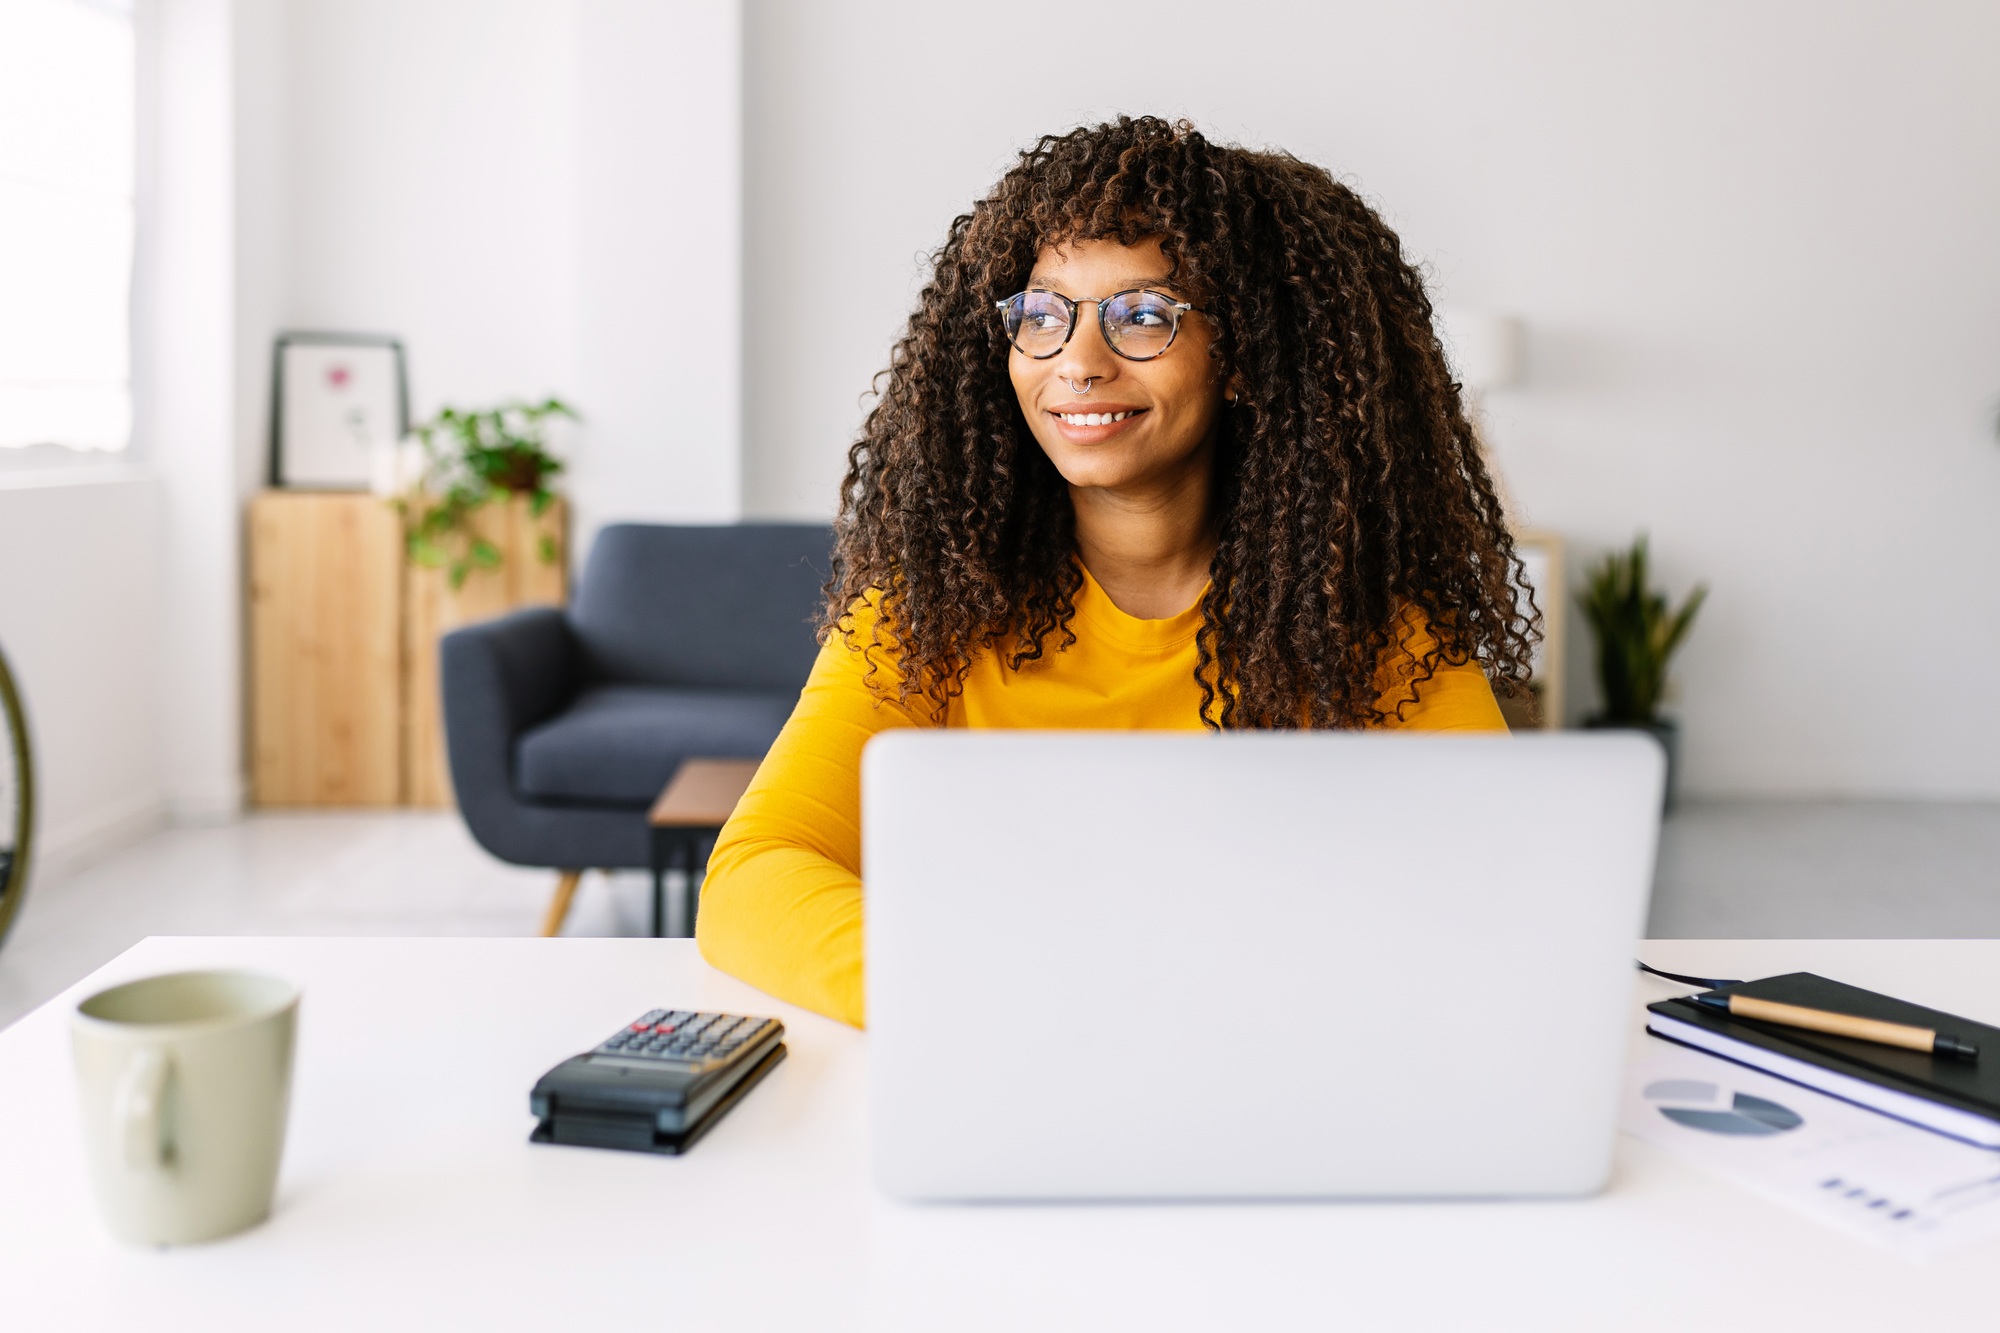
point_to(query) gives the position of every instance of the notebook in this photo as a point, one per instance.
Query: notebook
(1953, 1097)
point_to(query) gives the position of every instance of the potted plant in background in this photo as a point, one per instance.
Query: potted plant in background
(473, 459)
(1637, 635)
(485, 531)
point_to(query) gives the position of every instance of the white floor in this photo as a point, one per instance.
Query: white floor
(374, 873)
(1829, 870)
(1751, 870)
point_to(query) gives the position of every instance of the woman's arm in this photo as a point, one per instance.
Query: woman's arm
(781, 907)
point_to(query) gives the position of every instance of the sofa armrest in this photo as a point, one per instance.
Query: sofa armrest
(518, 670)
(499, 678)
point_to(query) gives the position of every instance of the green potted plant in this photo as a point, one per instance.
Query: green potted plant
(1637, 633)
(472, 459)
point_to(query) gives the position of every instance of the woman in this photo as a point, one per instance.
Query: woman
(1169, 442)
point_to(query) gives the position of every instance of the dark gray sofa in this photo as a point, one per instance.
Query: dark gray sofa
(563, 724)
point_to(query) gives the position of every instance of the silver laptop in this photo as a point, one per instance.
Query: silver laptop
(1145, 965)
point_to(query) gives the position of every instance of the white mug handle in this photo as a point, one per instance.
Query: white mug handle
(137, 1108)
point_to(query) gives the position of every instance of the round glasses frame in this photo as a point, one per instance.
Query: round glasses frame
(1178, 307)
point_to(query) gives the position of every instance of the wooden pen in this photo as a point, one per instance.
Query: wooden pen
(1840, 1025)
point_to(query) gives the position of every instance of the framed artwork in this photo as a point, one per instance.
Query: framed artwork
(1542, 555)
(338, 400)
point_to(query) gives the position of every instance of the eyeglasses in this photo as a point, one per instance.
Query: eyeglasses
(1137, 324)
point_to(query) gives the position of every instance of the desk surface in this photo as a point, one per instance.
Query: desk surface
(411, 1197)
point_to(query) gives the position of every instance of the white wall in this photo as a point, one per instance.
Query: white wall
(80, 622)
(658, 194)
(120, 586)
(184, 390)
(539, 197)
(410, 166)
(1753, 247)
(261, 222)
(429, 169)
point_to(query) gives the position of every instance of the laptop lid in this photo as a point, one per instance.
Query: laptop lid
(1132, 965)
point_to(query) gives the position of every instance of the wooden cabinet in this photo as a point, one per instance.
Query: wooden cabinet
(326, 650)
(344, 701)
(433, 608)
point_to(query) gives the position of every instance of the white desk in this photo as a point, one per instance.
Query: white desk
(411, 1197)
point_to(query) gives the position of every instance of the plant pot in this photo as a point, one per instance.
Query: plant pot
(1664, 730)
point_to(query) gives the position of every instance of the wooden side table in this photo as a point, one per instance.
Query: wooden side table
(694, 806)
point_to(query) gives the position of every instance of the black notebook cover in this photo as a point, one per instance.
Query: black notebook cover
(1969, 1085)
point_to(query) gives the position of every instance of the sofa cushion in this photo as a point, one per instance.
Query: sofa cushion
(619, 744)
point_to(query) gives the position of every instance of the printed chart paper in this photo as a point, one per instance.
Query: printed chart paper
(1912, 1191)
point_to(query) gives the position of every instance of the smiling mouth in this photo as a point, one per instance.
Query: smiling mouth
(1096, 418)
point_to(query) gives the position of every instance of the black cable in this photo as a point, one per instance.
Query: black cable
(1706, 983)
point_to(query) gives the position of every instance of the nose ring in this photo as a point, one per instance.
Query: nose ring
(1088, 381)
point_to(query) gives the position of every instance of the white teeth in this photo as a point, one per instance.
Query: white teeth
(1093, 418)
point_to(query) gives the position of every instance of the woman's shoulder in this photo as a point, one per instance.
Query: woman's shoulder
(866, 629)
(1427, 684)
(861, 649)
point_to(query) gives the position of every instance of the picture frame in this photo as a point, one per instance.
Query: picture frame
(1541, 555)
(338, 399)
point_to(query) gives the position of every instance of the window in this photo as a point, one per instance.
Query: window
(66, 170)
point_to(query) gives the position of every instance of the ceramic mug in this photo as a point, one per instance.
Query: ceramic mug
(184, 1081)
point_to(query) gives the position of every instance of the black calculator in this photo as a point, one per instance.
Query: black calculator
(658, 1083)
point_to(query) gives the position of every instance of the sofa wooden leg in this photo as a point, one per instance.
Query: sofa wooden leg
(552, 924)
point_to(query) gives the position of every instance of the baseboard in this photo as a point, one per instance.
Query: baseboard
(220, 805)
(63, 849)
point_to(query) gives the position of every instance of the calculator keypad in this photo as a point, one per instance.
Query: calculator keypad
(686, 1037)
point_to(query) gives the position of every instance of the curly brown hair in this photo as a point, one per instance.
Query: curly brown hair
(1349, 498)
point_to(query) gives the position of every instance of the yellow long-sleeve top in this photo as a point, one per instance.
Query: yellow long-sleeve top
(781, 907)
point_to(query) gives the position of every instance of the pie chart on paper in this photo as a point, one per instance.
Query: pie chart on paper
(1715, 1110)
